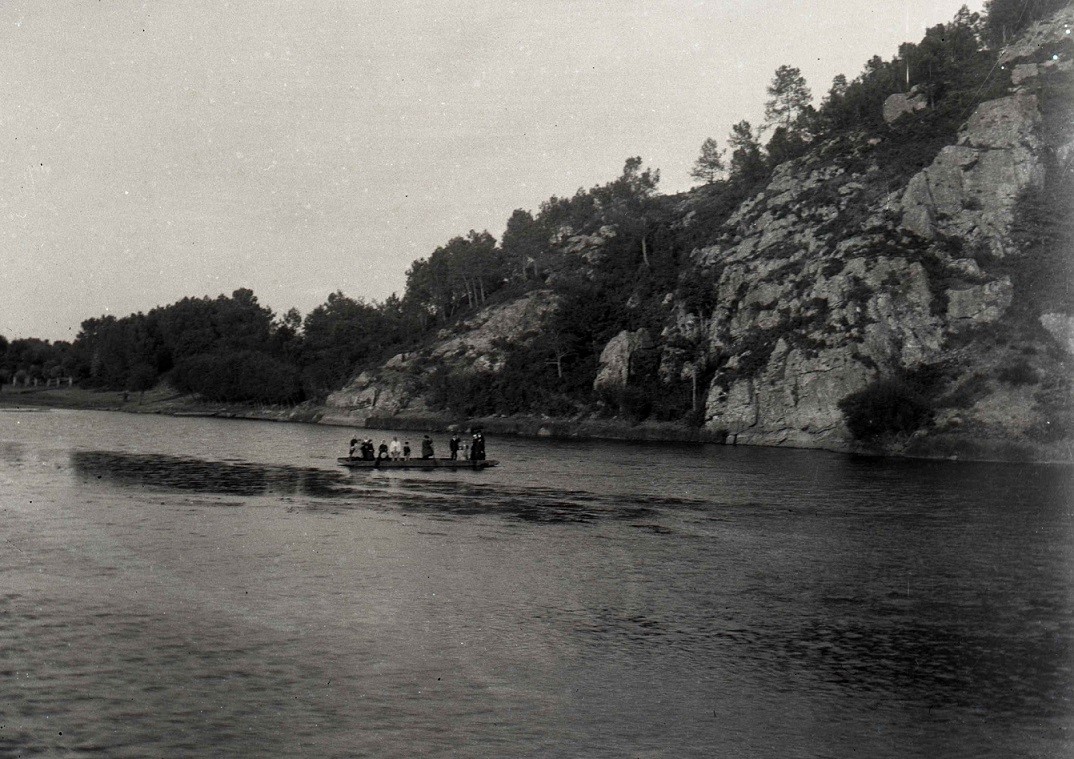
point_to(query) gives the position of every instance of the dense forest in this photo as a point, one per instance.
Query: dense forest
(231, 348)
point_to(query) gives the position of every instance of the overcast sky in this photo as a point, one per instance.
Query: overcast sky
(156, 150)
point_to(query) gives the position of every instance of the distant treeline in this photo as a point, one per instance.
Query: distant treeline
(231, 348)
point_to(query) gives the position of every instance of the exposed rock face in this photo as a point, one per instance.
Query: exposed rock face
(810, 310)
(479, 343)
(969, 191)
(793, 402)
(615, 359)
(476, 344)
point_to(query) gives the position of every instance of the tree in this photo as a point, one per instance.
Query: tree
(627, 203)
(789, 98)
(461, 274)
(838, 88)
(524, 243)
(785, 145)
(709, 165)
(747, 163)
(287, 334)
(337, 335)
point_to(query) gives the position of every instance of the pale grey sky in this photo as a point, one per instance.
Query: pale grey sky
(153, 150)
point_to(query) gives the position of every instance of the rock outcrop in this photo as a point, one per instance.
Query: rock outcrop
(400, 385)
(970, 190)
(616, 359)
(810, 310)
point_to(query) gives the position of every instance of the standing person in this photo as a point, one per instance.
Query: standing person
(354, 447)
(477, 450)
(367, 449)
(394, 449)
(426, 447)
(453, 446)
(382, 451)
(406, 450)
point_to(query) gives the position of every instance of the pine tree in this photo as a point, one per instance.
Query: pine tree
(789, 98)
(746, 160)
(709, 165)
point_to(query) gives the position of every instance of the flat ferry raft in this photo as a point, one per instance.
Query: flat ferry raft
(451, 464)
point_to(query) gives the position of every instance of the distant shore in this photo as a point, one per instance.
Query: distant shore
(169, 403)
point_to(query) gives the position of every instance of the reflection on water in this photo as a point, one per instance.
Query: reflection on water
(216, 588)
(446, 496)
(200, 476)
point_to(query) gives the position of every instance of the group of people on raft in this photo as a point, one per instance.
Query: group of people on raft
(363, 449)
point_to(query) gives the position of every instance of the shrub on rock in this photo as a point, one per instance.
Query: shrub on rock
(883, 408)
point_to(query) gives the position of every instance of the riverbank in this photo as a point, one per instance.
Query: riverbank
(159, 400)
(162, 400)
(165, 401)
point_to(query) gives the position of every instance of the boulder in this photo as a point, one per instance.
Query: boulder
(617, 357)
(899, 104)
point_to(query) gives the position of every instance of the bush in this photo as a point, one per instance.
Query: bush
(885, 407)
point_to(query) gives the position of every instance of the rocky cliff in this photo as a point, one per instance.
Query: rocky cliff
(838, 275)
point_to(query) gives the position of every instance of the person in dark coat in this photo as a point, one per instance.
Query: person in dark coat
(477, 449)
(382, 450)
(426, 447)
(453, 446)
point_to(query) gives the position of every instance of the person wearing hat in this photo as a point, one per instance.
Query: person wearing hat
(477, 448)
(426, 447)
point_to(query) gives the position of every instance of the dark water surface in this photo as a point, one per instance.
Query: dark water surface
(191, 587)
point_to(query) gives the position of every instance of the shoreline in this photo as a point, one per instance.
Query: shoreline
(943, 447)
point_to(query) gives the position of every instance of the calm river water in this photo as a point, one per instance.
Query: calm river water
(193, 587)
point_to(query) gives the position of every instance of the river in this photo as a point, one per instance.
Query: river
(200, 587)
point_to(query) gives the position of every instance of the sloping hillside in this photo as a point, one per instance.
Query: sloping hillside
(849, 300)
